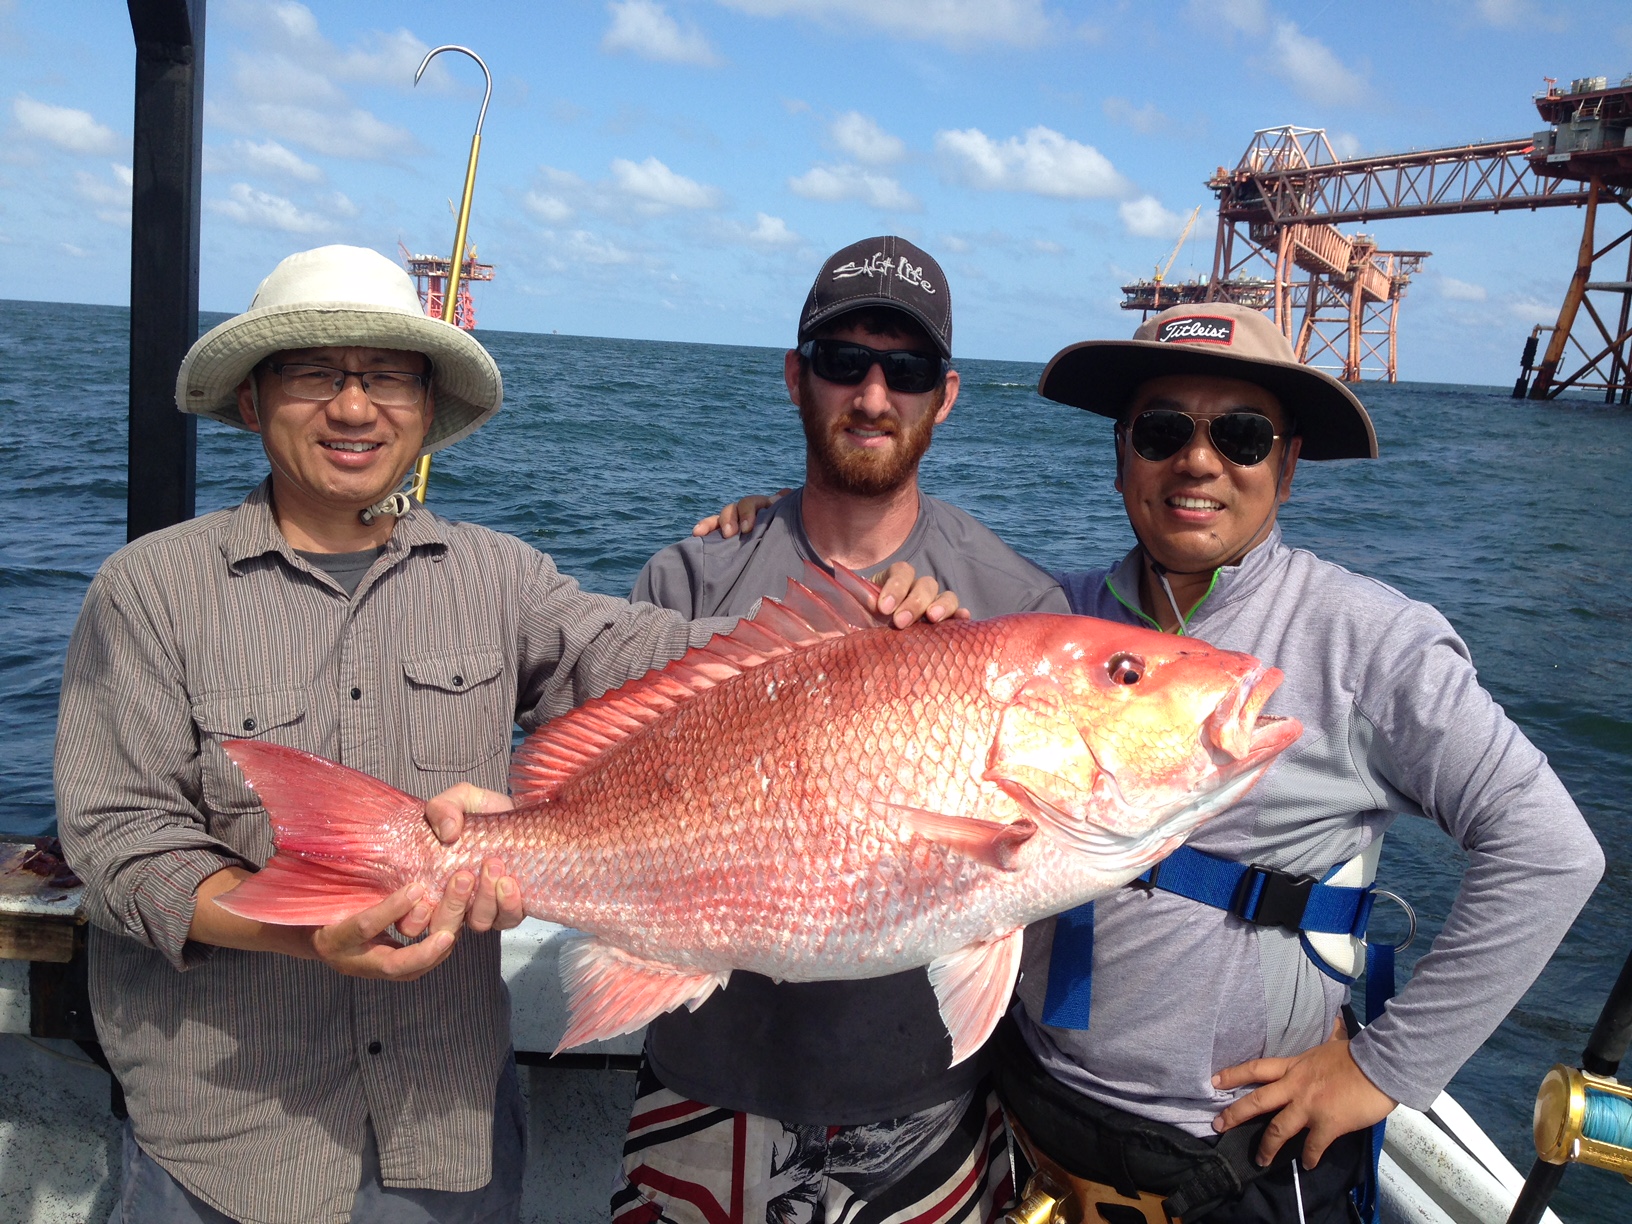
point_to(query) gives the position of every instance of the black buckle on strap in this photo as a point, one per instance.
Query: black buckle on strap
(1281, 900)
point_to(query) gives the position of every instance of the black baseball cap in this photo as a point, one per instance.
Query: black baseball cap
(887, 271)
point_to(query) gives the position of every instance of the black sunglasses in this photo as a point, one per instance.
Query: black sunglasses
(846, 363)
(1244, 438)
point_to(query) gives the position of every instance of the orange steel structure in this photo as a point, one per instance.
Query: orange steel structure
(1337, 296)
(430, 273)
(1589, 142)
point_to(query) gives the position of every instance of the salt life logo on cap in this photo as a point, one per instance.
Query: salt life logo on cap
(1202, 329)
(880, 264)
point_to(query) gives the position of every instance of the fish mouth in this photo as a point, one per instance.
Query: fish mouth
(1238, 734)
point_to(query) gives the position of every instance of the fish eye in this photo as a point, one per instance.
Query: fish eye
(1125, 669)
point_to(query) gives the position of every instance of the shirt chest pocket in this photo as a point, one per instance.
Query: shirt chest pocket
(460, 709)
(277, 715)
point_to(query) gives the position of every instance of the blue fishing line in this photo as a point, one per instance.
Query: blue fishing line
(1608, 1119)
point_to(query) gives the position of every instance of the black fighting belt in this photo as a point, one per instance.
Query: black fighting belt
(1124, 1151)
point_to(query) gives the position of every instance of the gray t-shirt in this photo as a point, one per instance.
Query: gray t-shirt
(825, 1053)
(346, 568)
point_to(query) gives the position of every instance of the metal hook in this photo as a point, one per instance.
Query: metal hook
(436, 51)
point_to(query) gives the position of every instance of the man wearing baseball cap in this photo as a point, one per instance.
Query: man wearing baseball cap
(285, 1075)
(777, 1100)
(1177, 1050)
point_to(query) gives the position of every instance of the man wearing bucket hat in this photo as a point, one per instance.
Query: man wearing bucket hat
(833, 1097)
(329, 613)
(1175, 1038)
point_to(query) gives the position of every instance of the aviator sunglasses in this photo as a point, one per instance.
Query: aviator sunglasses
(1244, 438)
(847, 363)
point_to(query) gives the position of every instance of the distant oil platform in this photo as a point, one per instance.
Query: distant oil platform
(430, 273)
(1336, 295)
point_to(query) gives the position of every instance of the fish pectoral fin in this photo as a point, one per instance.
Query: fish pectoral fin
(989, 841)
(611, 992)
(973, 985)
(1039, 754)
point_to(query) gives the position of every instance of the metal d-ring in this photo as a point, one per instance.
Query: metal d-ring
(1410, 914)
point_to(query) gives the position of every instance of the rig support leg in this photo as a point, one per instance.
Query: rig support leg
(1548, 368)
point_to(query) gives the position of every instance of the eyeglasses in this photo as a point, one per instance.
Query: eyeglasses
(1244, 438)
(387, 388)
(845, 363)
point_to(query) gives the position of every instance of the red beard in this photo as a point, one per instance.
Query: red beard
(866, 473)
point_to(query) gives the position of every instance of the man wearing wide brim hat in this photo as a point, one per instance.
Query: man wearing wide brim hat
(1173, 1036)
(290, 1074)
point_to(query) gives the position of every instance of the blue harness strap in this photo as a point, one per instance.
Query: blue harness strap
(1259, 895)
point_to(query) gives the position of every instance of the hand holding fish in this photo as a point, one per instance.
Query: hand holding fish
(497, 903)
(1322, 1089)
(356, 945)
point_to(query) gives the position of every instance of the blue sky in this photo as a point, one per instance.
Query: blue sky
(677, 169)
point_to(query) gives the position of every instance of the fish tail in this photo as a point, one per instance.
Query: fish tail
(340, 836)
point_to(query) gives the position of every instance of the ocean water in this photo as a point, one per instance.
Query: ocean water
(1511, 517)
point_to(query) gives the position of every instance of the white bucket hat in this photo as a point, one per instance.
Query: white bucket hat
(341, 295)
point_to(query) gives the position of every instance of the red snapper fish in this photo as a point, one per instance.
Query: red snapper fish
(813, 796)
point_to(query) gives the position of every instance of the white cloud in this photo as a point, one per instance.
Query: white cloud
(1309, 66)
(581, 246)
(960, 24)
(111, 200)
(847, 182)
(1146, 119)
(266, 157)
(860, 137)
(263, 210)
(351, 133)
(1146, 218)
(70, 249)
(551, 209)
(1502, 12)
(770, 232)
(1344, 144)
(1247, 16)
(1043, 246)
(291, 86)
(656, 188)
(76, 131)
(644, 28)
(1043, 162)
(1460, 291)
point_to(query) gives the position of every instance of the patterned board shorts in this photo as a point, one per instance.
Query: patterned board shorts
(688, 1163)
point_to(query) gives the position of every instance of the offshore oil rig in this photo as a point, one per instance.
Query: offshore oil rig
(430, 273)
(1337, 294)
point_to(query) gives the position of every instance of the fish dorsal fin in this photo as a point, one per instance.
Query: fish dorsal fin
(823, 606)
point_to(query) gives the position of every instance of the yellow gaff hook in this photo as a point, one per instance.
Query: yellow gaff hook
(450, 298)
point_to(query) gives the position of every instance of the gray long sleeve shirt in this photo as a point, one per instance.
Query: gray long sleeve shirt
(1395, 723)
(249, 1075)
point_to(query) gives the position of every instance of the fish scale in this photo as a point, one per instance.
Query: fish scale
(813, 797)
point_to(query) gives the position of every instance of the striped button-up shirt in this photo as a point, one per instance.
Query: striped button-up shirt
(249, 1075)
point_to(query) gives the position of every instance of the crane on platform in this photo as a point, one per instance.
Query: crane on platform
(1147, 295)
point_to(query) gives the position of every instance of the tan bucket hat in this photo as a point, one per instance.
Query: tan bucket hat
(341, 295)
(1224, 341)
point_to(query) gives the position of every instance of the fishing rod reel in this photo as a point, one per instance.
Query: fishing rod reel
(1584, 1114)
(1582, 1118)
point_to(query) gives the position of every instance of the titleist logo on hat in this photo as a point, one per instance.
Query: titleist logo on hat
(880, 264)
(1202, 329)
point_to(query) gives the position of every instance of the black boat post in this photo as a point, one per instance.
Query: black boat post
(166, 160)
(1605, 1049)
